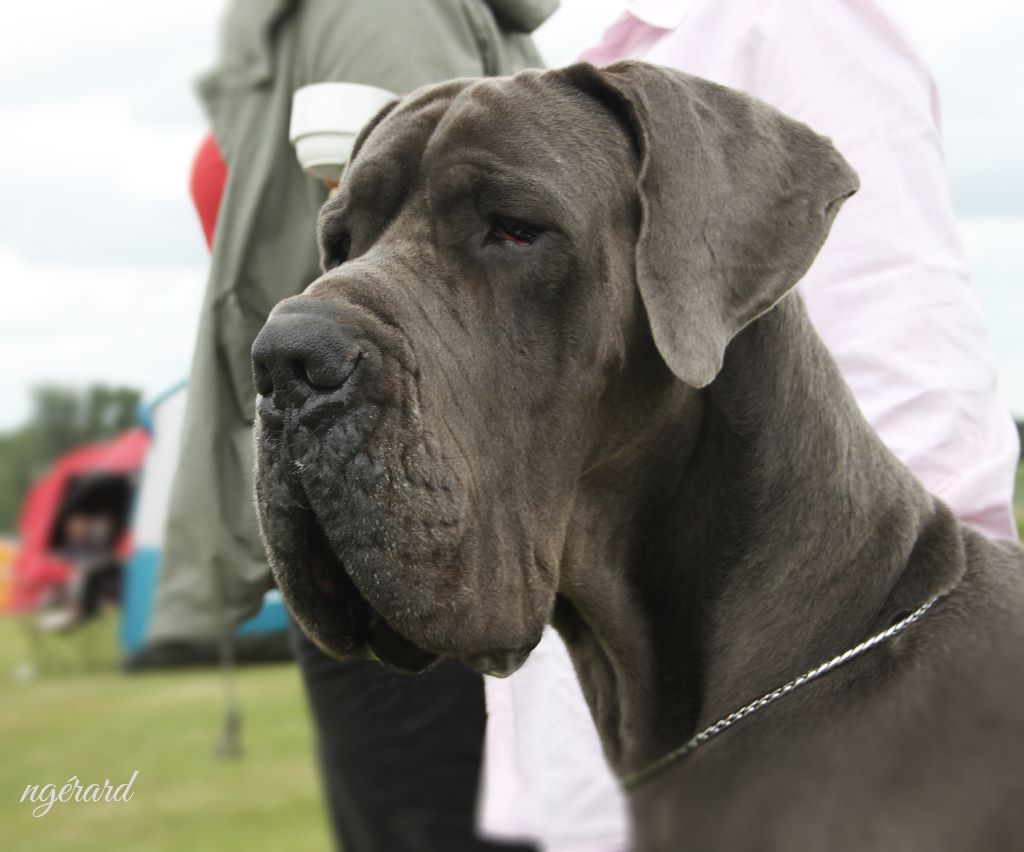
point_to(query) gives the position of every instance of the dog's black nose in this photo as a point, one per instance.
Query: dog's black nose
(298, 355)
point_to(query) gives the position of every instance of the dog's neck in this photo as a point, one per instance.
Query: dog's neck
(745, 534)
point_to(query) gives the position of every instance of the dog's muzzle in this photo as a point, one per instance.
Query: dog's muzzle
(310, 370)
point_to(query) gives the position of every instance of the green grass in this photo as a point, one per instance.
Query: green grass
(91, 721)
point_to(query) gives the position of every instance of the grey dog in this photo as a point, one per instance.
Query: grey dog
(554, 371)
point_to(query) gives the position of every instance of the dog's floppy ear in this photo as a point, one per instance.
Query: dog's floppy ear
(736, 199)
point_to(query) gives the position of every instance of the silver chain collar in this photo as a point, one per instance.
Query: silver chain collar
(632, 779)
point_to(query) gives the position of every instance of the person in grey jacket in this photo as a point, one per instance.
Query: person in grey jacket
(400, 756)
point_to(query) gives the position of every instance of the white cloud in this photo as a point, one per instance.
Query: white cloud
(75, 325)
(61, 140)
(52, 49)
(84, 182)
(102, 263)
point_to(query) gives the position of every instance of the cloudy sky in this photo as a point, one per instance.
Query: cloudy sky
(102, 264)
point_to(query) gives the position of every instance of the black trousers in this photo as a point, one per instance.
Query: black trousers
(399, 754)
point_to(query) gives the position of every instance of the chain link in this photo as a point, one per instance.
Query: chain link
(632, 779)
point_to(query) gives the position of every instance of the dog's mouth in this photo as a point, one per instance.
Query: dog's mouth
(341, 620)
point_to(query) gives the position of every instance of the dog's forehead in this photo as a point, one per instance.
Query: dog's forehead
(529, 115)
(536, 120)
(391, 152)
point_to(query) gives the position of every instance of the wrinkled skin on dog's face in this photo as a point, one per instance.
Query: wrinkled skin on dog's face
(477, 292)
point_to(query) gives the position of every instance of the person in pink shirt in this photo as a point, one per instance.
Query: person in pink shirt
(890, 293)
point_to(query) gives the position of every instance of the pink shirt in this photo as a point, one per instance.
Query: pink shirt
(890, 294)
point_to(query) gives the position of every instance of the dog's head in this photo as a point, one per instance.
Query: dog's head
(509, 264)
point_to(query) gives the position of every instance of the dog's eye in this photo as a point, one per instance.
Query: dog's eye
(517, 233)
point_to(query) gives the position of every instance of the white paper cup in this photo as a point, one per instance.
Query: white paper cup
(326, 119)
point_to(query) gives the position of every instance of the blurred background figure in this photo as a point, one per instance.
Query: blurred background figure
(890, 293)
(88, 544)
(400, 756)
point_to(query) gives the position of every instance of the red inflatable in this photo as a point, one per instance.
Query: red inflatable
(39, 566)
